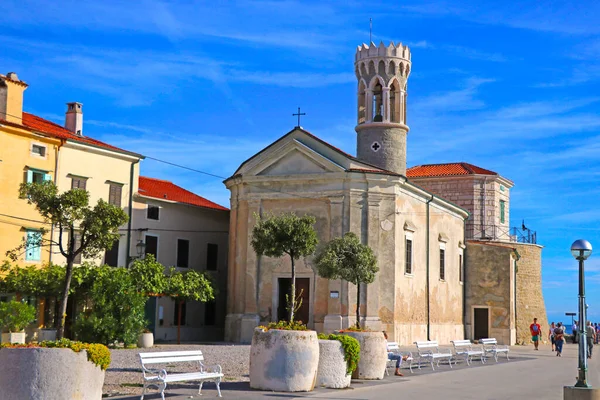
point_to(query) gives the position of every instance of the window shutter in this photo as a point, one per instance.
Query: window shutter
(29, 176)
(47, 177)
(32, 252)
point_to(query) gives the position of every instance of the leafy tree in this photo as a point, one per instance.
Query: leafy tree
(188, 285)
(288, 234)
(149, 276)
(348, 259)
(117, 313)
(70, 214)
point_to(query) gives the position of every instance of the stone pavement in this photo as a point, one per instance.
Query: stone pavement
(528, 375)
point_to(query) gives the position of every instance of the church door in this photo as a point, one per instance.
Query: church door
(481, 320)
(302, 287)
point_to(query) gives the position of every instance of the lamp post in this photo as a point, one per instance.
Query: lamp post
(581, 250)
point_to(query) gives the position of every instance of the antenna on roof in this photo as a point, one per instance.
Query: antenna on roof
(370, 31)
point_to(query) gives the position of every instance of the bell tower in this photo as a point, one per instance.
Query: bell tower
(382, 72)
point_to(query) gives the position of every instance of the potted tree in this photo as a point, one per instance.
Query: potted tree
(338, 358)
(348, 259)
(15, 316)
(284, 356)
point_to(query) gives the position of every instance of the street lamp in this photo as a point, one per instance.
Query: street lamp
(140, 247)
(581, 250)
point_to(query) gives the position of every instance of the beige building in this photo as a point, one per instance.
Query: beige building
(503, 265)
(105, 171)
(183, 230)
(418, 238)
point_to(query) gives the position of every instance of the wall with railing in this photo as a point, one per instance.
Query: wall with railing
(476, 231)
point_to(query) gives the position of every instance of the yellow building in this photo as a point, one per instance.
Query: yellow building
(33, 149)
(25, 156)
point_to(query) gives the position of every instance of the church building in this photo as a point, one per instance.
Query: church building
(418, 237)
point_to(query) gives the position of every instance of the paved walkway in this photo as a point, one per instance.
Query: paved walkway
(529, 374)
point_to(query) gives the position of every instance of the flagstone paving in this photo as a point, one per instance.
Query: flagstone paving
(529, 374)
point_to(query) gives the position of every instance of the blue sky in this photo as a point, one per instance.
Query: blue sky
(510, 87)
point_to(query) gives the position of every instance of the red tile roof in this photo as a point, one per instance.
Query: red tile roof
(165, 190)
(54, 130)
(450, 169)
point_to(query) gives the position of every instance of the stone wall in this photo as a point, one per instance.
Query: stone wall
(481, 196)
(530, 300)
(507, 278)
(489, 271)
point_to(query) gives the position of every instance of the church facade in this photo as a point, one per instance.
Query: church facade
(418, 238)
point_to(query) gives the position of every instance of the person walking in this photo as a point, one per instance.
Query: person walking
(597, 332)
(536, 331)
(559, 338)
(590, 332)
(551, 335)
(574, 327)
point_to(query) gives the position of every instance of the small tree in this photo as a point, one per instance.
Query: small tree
(70, 214)
(348, 259)
(189, 285)
(288, 234)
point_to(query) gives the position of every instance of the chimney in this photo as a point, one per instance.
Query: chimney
(11, 98)
(74, 118)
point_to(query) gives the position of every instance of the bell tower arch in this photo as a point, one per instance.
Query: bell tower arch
(382, 73)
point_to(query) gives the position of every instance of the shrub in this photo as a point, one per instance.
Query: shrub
(117, 313)
(285, 326)
(15, 316)
(96, 353)
(351, 348)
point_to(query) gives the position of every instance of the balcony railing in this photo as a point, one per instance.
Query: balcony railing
(500, 233)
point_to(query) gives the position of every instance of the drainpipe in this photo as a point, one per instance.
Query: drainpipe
(427, 271)
(464, 276)
(132, 169)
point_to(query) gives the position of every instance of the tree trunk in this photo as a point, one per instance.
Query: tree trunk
(62, 309)
(292, 301)
(179, 322)
(358, 305)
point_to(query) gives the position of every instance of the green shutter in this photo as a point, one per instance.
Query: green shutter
(502, 210)
(29, 176)
(47, 177)
(32, 252)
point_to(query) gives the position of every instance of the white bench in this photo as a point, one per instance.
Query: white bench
(160, 377)
(430, 350)
(465, 348)
(490, 345)
(393, 347)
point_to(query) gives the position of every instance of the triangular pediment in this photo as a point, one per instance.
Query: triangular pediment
(294, 163)
(292, 157)
(299, 153)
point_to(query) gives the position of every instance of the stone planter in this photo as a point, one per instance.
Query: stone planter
(14, 337)
(50, 374)
(284, 361)
(46, 335)
(332, 366)
(373, 354)
(146, 340)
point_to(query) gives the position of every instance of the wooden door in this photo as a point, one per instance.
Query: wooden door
(303, 290)
(481, 323)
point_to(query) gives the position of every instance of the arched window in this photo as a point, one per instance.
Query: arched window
(395, 102)
(362, 105)
(377, 103)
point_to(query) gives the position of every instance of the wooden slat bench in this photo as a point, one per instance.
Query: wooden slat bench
(490, 345)
(160, 377)
(465, 348)
(430, 350)
(393, 347)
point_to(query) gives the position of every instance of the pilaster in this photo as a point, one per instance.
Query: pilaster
(333, 319)
(372, 291)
